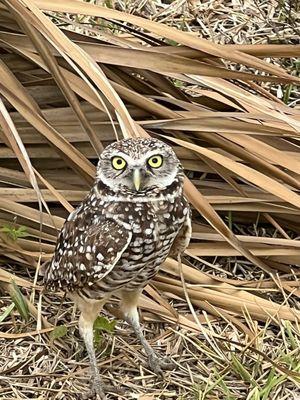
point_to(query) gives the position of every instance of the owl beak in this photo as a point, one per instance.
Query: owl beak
(137, 179)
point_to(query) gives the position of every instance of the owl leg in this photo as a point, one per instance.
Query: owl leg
(128, 306)
(89, 312)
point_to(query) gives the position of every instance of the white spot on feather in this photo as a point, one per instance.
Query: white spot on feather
(82, 267)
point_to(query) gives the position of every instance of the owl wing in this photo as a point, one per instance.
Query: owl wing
(85, 254)
(182, 239)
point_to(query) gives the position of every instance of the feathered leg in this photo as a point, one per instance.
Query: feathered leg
(128, 306)
(89, 312)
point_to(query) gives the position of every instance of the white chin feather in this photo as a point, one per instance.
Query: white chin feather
(161, 182)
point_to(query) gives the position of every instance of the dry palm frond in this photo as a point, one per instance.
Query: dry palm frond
(69, 91)
(76, 76)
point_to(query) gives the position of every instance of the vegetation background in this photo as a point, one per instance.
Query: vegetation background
(217, 79)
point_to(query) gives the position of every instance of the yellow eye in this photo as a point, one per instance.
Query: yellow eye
(155, 161)
(118, 163)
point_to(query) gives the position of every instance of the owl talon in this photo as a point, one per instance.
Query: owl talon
(159, 365)
(96, 392)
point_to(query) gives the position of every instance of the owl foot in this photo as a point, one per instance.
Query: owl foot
(97, 391)
(158, 365)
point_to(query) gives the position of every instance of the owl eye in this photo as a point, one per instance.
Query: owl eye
(118, 163)
(155, 161)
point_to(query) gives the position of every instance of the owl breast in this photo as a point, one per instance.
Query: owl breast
(155, 225)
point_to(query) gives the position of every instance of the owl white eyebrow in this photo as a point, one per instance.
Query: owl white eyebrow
(150, 154)
(122, 155)
(141, 160)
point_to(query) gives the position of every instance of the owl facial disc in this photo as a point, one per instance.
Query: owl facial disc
(138, 166)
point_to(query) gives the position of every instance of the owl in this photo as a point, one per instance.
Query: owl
(113, 244)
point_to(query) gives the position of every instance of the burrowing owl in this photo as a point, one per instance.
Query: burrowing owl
(134, 217)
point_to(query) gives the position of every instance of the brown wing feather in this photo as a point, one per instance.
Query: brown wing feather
(86, 253)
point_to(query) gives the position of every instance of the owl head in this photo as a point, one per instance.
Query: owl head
(138, 165)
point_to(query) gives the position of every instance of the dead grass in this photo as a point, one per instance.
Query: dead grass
(216, 363)
(219, 81)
